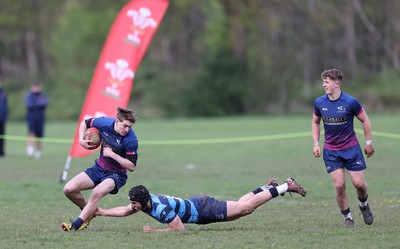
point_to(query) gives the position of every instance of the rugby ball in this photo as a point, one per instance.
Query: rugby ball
(93, 134)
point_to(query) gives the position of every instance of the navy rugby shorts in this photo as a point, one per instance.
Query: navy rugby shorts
(98, 174)
(210, 210)
(352, 159)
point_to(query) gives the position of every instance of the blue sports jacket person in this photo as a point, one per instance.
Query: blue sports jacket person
(36, 103)
(3, 106)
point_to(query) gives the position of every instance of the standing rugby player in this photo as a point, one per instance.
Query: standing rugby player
(341, 148)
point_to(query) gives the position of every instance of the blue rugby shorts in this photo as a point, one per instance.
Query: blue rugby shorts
(210, 210)
(98, 174)
(352, 159)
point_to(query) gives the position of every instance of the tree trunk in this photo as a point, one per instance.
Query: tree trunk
(31, 53)
(237, 31)
(350, 38)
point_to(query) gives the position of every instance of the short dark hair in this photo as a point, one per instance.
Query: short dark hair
(333, 74)
(126, 114)
(140, 194)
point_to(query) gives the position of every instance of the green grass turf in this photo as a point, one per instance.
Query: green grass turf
(33, 206)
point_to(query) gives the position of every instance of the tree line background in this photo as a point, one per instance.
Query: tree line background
(208, 57)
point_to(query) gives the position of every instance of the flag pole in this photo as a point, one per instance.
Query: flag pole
(64, 174)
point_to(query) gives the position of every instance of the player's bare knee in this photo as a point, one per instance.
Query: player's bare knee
(68, 190)
(246, 210)
(361, 186)
(96, 196)
(340, 188)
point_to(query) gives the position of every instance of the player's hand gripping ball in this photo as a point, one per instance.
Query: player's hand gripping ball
(93, 134)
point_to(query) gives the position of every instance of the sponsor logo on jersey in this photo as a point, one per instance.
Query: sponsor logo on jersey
(334, 120)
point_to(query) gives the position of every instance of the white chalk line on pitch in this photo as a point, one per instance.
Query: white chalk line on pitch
(206, 140)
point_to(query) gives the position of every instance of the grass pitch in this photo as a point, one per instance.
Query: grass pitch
(33, 206)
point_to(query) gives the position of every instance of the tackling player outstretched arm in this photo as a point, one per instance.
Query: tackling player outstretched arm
(316, 131)
(366, 123)
(121, 211)
(175, 225)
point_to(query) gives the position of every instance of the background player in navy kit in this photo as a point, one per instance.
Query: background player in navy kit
(117, 155)
(199, 209)
(341, 148)
(36, 102)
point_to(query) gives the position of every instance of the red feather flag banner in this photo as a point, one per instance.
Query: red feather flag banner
(112, 81)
